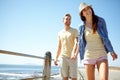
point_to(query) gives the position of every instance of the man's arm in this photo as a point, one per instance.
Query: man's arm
(75, 49)
(57, 53)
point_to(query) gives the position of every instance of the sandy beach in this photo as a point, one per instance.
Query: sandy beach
(114, 73)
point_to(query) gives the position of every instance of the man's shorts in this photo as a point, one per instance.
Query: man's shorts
(94, 61)
(68, 67)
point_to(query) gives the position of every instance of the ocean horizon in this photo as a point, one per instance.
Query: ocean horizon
(18, 72)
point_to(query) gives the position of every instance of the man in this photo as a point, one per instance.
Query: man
(67, 50)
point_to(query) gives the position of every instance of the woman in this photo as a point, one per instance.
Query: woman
(94, 43)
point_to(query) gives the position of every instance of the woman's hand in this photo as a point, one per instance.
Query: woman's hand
(55, 62)
(114, 55)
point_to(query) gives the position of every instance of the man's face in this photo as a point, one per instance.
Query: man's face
(67, 20)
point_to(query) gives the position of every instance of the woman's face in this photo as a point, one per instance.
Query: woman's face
(87, 12)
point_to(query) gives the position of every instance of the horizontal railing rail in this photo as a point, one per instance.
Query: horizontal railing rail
(20, 54)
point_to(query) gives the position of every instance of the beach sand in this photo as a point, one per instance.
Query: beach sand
(114, 74)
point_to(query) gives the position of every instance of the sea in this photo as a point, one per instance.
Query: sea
(20, 72)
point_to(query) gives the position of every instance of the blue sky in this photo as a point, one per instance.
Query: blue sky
(31, 26)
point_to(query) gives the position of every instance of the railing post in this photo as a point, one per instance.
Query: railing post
(47, 66)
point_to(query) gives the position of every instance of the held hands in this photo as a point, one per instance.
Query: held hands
(74, 56)
(114, 55)
(55, 62)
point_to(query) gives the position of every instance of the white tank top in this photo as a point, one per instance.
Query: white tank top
(94, 45)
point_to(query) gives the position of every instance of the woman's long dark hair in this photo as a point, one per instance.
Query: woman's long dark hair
(94, 19)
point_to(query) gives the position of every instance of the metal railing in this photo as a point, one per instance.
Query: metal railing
(47, 62)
